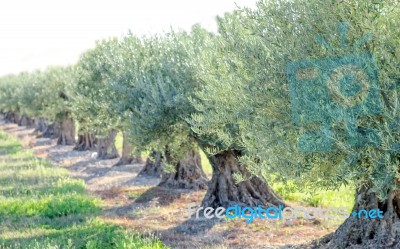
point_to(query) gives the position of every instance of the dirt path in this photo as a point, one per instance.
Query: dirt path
(137, 202)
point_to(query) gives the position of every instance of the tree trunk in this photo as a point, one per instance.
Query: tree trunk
(53, 130)
(127, 156)
(30, 122)
(86, 141)
(25, 121)
(106, 148)
(153, 165)
(224, 192)
(15, 118)
(370, 233)
(67, 136)
(188, 173)
(8, 117)
(40, 125)
(138, 155)
(22, 120)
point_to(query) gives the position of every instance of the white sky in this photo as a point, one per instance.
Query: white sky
(37, 33)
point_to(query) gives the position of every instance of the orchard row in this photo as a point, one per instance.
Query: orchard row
(226, 93)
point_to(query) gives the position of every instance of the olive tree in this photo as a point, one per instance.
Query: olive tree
(92, 99)
(39, 96)
(158, 104)
(283, 64)
(32, 101)
(221, 109)
(127, 62)
(9, 99)
(57, 103)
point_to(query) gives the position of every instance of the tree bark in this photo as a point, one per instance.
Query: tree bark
(53, 130)
(86, 141)
(138, 155)
(12, 117)
(366, 233)
(106, 147)
(153, 165)
(22, 120)
(188, 173)
(25, 121)
(67, 136)
(224, 192)
(7, 117)
(127, 156)
(40, 125)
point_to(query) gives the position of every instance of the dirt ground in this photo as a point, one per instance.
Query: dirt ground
(136, 202)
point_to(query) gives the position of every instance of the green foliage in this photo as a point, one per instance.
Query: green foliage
(57, 100)
(32, 95)
(220, 103)
(244, 102)
(9, 88)
(159, 99)
(93, 102)
(38, 94)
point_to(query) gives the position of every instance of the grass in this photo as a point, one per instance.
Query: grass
(205, 164)
(41, 207)
(343, 197)
(119, 139)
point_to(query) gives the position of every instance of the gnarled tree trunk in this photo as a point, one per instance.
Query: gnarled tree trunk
(106, 146)
(86, 141)
(67, 136)
(366, 233)
(224, 192)
(188, 173)
(153, 165)
(127, 156)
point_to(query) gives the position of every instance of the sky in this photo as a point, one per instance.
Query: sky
(39, 33)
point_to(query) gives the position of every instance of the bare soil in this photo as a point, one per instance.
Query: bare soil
(136, 202)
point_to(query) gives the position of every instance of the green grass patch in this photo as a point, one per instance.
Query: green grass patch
(41, 207)
(48, 205)
(93, 233)
(205, 163)
(343, 197)
(119, 139)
